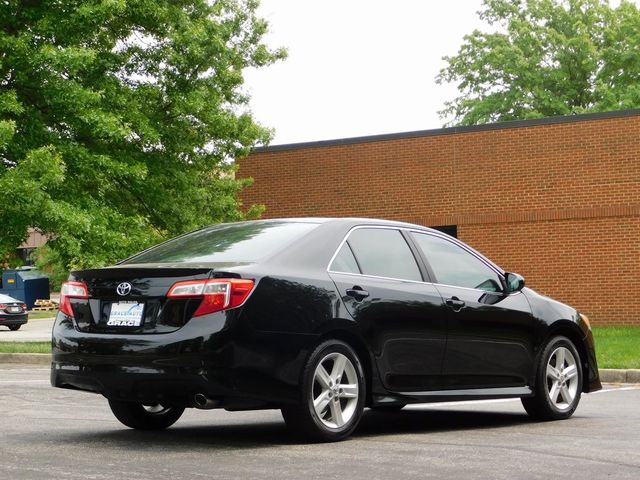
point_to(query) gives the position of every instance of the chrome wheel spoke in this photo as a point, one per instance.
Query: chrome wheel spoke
(336, 413)
(338, 368)
(553, 393)
(349, 390)
(571, 372)
(323, 377)
(552, 372)
(566, 395)
(320, 403)
(560, 359)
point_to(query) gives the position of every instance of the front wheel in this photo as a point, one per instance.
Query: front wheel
(333, 394)
(558, 382)
(145, 417)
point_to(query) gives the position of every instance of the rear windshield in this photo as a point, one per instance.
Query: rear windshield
(235, 242)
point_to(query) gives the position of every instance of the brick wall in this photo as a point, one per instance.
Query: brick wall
(557, 200)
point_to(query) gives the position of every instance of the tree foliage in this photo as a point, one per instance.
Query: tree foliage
(546, 58)
(119, 118)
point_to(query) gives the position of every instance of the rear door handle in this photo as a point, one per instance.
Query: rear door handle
(455, 303)
(357, 292)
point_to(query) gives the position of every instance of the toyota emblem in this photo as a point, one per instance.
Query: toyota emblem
(123, 289)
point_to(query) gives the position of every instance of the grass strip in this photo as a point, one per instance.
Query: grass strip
(617, 347)
(25, 347)
(39, 315)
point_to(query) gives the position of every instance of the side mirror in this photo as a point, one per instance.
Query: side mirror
(515, 282)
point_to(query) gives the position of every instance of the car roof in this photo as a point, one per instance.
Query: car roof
(316, 240)
(349, 221)
(315, 249)
(7, 298)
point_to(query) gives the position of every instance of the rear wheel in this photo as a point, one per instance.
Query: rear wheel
(145, 417)
(13, 328)
(558, 383)
(333, 393)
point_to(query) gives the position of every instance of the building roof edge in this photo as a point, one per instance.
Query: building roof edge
(452, 130)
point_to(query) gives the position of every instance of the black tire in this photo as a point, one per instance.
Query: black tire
(13, 328)
(141, 417)
(341, 404)
(557, 392)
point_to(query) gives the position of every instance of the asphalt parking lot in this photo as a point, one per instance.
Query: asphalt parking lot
(34, 330)
(52, 433)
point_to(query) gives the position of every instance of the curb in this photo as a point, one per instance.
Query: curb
(607, 375)
(26, 358)
(614, 375)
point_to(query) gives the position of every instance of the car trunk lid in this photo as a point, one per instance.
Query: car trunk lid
(133, 299)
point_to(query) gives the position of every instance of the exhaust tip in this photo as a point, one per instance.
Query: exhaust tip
(204, 402)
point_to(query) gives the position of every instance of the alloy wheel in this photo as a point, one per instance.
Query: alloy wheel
(335, 390)
(562, 378)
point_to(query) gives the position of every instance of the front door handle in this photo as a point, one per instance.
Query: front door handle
(357, 292)
(455, 303)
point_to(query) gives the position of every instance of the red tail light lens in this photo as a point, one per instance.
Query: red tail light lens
(217, 294)
(71, 290)
(3, 306)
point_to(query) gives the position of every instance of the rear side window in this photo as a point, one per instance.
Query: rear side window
(383, 253)
(345, 261)
(232, 242)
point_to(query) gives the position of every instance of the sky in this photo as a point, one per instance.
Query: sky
(357, 67)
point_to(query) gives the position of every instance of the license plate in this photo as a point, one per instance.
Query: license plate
(15, 310)
(125, 314)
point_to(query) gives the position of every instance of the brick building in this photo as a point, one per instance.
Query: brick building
(556, 200)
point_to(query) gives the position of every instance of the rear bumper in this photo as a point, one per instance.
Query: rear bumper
(201, 357)
(10, 320)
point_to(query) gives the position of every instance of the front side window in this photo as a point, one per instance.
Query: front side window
(453, 265)
(383, 253)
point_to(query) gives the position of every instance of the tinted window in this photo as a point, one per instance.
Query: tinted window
(384, 253)
(233, 242)
(453, 265)
(345, 261)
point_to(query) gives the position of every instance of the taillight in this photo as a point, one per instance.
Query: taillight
(71, 290)
(3, 306)
(217, 294)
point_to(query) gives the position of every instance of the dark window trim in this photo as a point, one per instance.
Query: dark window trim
(355, 257)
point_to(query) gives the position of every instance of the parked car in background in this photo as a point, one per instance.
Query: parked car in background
(319, 318)
(13, 312)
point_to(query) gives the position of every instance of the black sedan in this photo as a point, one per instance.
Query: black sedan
(13, 312)
(319, 318)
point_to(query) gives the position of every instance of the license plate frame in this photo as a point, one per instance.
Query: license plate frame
(126, 314)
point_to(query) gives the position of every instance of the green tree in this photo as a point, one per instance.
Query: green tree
(119, 120)
(546, 58)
